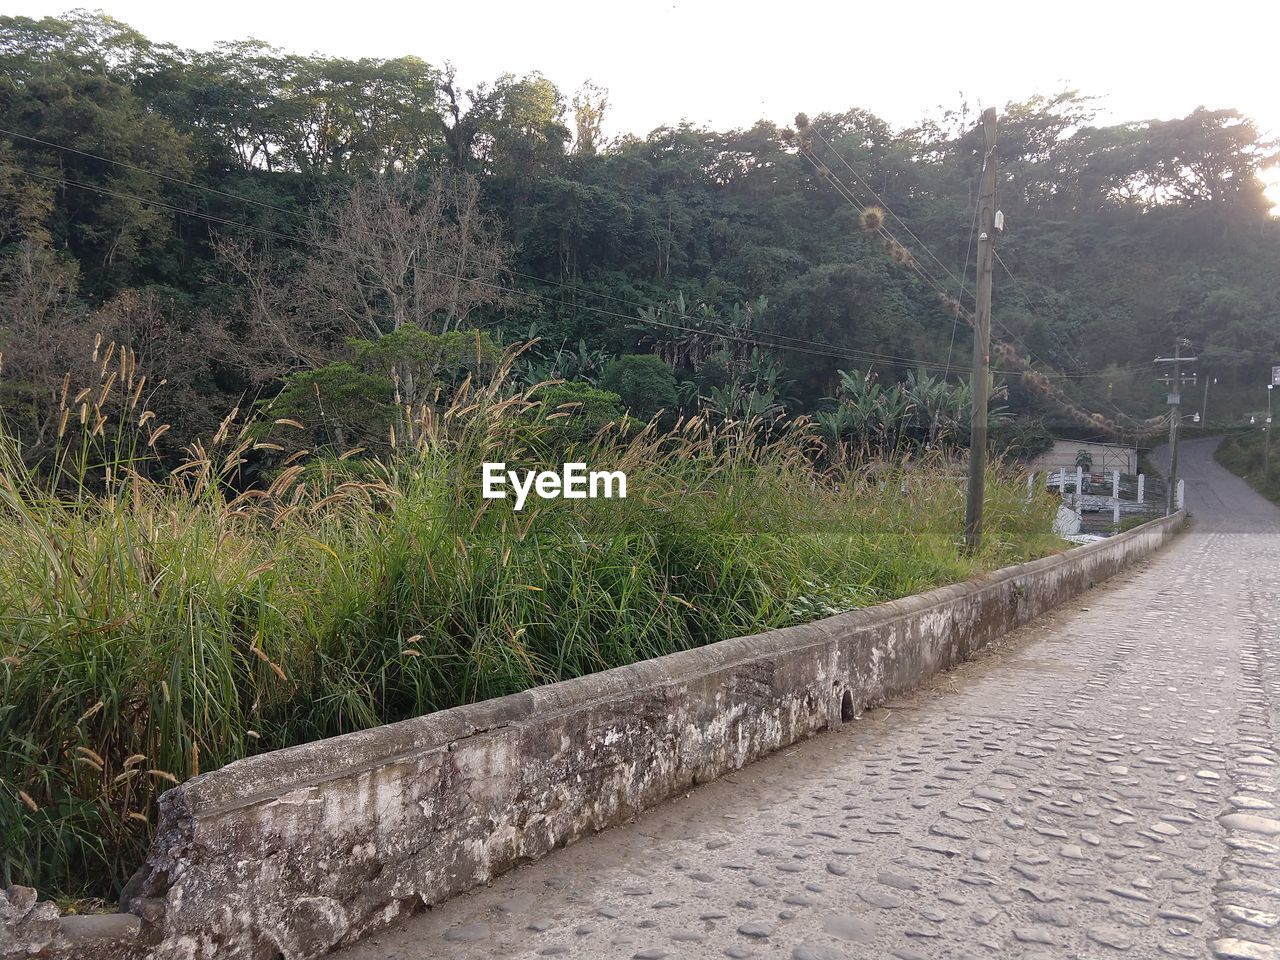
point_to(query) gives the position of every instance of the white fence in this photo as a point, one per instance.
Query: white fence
(1118, 494)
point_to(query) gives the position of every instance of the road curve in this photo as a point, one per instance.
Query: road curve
(1104, 783)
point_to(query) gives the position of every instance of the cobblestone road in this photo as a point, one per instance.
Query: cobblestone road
(1103, 784)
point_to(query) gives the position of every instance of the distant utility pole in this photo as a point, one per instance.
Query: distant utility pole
(1175, 414)
(980, 381)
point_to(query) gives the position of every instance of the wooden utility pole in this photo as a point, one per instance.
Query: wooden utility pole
(1175, 416)
(980, 380)
(1175, 428)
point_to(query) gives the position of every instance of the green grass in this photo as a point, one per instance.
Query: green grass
(1243, 454)
(1129, 523)
(152, 627)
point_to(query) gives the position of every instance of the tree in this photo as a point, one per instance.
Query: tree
(391, 382)
(43, 338)
(387, 253)
(393, 251)
(427, 368)
(589, 105)
(68, 82)
(253, 106)
(49, 336)
(511, 128)
(360, 197)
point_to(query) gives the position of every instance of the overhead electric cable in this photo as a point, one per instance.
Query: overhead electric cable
(756, 338)
(964, 275)
(848, 195)
(1065, 402)
(301, 215)
(928, 276)
(793, 343)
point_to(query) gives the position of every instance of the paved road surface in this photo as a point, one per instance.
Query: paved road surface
(1103, 784)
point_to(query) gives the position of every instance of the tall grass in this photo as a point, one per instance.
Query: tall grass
(156, 626)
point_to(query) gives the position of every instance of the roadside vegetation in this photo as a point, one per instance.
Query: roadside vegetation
(159, 623)
(1243, 454)
(454, 271)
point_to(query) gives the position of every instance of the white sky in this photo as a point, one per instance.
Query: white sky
(730, 62)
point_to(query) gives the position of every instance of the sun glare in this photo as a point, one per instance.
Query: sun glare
(1271, 177)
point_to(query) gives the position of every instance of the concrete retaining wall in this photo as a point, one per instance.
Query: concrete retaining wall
(287, 854)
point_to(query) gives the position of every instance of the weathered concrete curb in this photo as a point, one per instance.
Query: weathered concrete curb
(290, 853)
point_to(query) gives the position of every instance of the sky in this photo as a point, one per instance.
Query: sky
(728, 64)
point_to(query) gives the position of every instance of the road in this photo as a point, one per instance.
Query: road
(1103, 783)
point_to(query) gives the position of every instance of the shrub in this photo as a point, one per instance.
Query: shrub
(342, 408)
(645, 384)
(581, 411)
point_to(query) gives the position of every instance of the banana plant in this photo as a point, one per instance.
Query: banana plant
(756, 394)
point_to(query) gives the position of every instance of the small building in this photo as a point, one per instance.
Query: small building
(1106, 457)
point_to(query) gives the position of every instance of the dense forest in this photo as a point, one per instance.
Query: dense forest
(257, 224)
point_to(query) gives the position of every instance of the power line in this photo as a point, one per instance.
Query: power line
(845, 192)
(848, 194)
(911, 262)
(271, 206)
(795, 344)
(955, 320)
(1067, 405)
(1038, 378)
(882, 203)
(154, 173)
(811, 347)
(1017, 286)
(864, 355)
(860, 355)
(881, 230)
(851, 354)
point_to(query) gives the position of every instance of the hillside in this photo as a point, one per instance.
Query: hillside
(238, 215)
